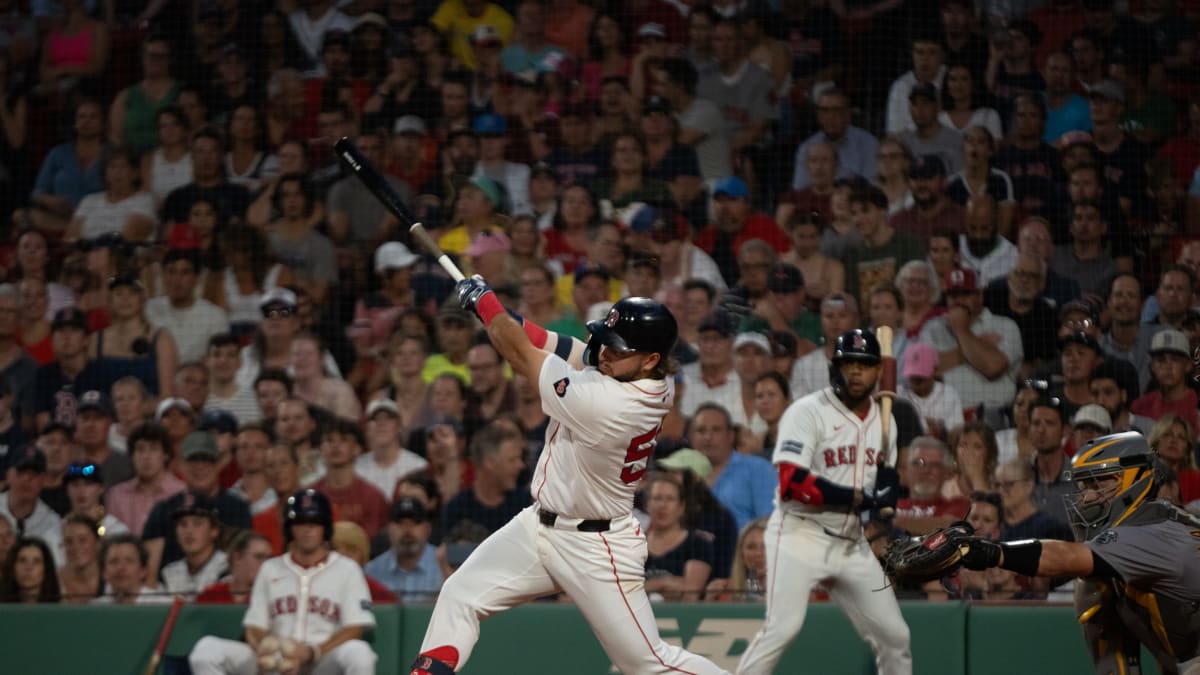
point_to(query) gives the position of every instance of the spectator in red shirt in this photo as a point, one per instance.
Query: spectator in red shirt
(359, 501)
(1171, 363)
(1184, 151)
(734, 224)
(926, 509)
(247, 552)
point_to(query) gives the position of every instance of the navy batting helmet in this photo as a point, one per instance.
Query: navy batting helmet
(308, 506)
(633, 325)
(853, 345)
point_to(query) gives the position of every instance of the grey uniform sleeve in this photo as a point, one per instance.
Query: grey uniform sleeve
(1142, 554)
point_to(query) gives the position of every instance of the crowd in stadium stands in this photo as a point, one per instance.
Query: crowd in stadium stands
(202, 311)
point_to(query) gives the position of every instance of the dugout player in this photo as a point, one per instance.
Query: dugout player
(308, 607)
(579, 536)
(831, 469)
(1139, 559)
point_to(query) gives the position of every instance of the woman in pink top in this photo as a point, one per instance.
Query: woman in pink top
(76, 48)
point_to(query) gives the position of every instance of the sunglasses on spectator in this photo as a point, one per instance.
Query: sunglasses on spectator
(81, 470)
(277, 312)
(922, 463)
(1008, 484)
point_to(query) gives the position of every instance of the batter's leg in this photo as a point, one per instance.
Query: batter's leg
(604, 573)
(503, 572)
(865, 595)
(797, 554)
(218, 656)
(353, 657)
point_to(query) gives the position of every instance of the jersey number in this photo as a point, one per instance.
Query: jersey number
(640, 448)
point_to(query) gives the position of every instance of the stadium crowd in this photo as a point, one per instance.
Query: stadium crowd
(202, 311)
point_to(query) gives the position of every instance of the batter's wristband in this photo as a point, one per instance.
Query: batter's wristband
(1022, 557)
(488, 307)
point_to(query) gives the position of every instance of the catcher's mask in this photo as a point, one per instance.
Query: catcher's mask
(1114, 474)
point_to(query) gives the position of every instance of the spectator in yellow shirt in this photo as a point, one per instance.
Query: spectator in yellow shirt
(458, 20)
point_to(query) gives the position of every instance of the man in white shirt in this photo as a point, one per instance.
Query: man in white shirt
(223, 361)
(190, 319)
(309, 26)
(839, 313)
(981, 247)
(928, 68)
(712, 378)
(387, 462)
(513, 176)
(21, 504)
(197, 528)
(938, 405)
(979, 353)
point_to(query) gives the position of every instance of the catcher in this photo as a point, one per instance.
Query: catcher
(1139, 559)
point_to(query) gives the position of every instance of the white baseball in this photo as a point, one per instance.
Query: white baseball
(288, 665)
(268, 645)
(269, 662)
(290, 649)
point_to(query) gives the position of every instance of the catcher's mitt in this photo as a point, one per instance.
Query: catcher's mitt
(933, 556)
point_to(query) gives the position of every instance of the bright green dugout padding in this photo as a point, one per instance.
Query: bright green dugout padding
(552, 638)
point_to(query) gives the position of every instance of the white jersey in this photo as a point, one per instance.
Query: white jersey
(309, 604)
(177, 578)
(819, 433)
(599, 444)
(943, 404)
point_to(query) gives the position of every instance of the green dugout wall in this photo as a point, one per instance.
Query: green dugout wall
(947, 639)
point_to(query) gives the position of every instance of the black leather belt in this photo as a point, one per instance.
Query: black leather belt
(548, 518)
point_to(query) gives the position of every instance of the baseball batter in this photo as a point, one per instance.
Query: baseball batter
(831, 468)
(579, 536)
(308, 607)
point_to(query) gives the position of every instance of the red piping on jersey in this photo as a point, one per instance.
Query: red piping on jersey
(617, 578)
(649, 393)
(859, 425)
(549, 456)
(304, 624)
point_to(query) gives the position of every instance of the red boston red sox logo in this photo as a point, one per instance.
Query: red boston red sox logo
(612, 318)
(859, 342)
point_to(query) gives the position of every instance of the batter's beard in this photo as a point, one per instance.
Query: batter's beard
(852, 401)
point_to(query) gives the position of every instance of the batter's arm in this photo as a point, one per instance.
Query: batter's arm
(514, 345)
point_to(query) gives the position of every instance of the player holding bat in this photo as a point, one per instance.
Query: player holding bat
(835, 454)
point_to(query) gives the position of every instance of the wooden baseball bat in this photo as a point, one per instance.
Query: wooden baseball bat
(375, 181)
(887, 392)
(164, 636)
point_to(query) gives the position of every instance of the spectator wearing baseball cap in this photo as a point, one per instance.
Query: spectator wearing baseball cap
(197, 527)
(712, 378)
(511, 178)
(85, 486)
(73, 370)
(937, 404)
(529, 49)
(734, 224)
(386, 461)
(1171, 363)
(927, 135)
(409, 568)
(931, 210)
(21, 504)
(674, 159)
(982, 371)
(202, 479)
(1089, 422)
(882, 251)
(479, 200)
(787, 295)
(94, 418)
(466, 28)
(376, 311)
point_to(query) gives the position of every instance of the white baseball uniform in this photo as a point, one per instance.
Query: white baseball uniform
(597, 449)
(303, 604)
(807, 545)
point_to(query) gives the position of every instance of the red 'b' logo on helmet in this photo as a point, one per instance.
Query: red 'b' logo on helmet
(612, 318)
(859, 341)
(306, 501)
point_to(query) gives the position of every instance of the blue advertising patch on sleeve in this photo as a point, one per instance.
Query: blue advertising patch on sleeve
(365, 604)
(560, 387)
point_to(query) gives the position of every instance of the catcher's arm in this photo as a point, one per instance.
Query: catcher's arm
(1057, 558)
(940, 553)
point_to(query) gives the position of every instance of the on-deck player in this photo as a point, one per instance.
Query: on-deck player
(579, 535)
(308, 606)
(831, 469)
